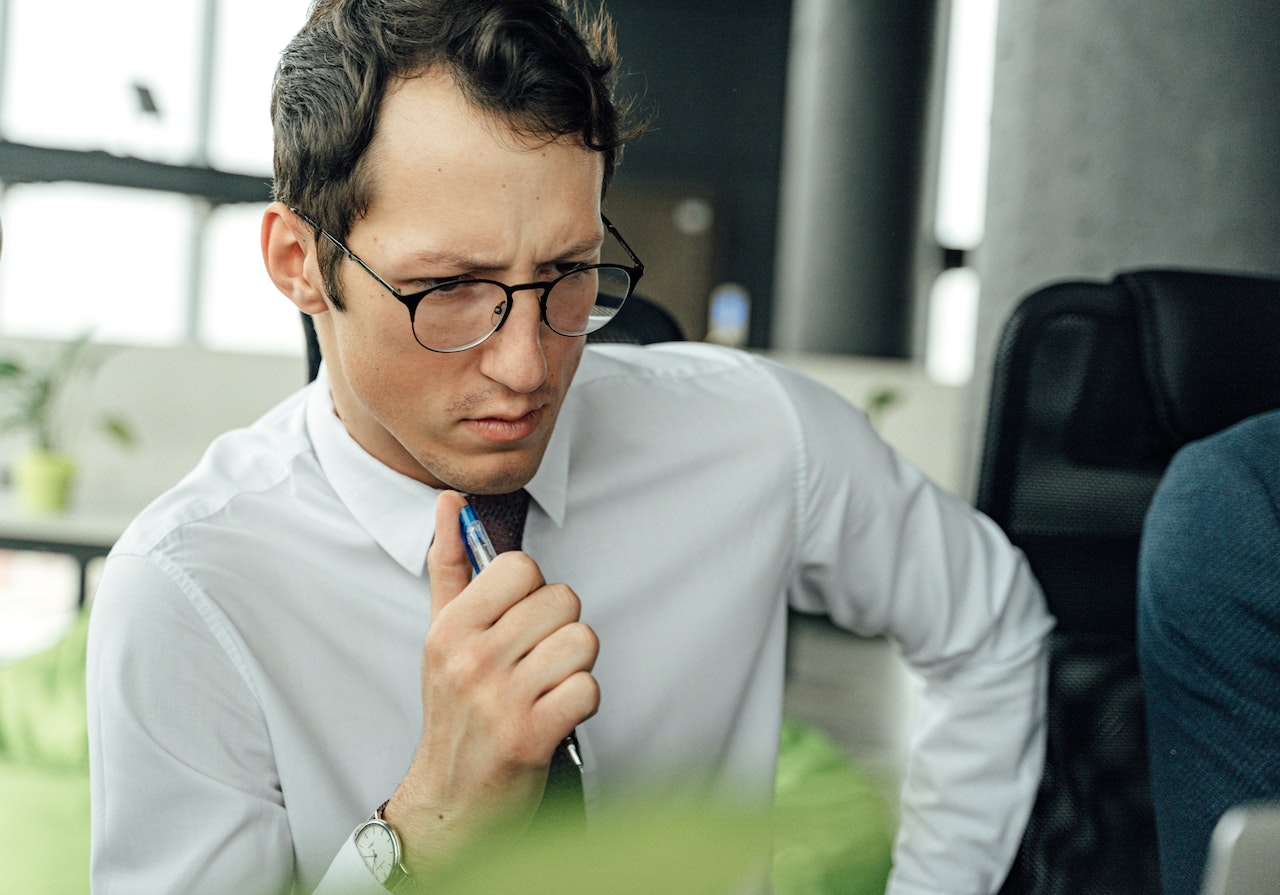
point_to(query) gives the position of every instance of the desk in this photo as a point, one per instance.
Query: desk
(80, 534)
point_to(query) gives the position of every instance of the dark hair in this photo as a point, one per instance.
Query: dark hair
(546, 71)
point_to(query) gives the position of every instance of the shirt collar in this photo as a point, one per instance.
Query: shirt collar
(400, 512)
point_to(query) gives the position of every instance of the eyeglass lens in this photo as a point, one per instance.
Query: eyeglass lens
(457, 315)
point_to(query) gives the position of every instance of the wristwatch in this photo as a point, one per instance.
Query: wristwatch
(379, 847)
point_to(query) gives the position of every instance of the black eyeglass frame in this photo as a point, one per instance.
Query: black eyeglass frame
(414, 299)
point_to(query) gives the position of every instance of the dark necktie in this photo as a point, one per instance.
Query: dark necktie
(503, 516)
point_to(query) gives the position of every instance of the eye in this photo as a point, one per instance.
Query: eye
(459, 291)
(445, 284)
(564, 268)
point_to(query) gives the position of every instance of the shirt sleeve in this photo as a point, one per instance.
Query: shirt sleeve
(185, 794)
(885, 551)
(348, 875)
(1208, 648)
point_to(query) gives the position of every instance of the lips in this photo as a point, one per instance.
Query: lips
(505, 428)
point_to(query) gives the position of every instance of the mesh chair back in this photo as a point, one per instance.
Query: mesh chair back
(640, 322)
(1096, 385)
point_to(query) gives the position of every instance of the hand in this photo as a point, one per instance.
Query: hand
(506, 675)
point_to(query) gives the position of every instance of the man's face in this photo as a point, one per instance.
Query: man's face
(456, 193)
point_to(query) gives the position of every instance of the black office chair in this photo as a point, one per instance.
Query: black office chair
(640, 322)
(1096, 385)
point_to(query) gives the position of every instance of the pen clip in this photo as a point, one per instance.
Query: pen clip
(570, 746)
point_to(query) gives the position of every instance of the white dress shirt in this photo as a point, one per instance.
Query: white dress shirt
(256, 641)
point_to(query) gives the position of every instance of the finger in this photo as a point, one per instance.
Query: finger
(447, 564)
(567, 652)
(503, 585)
(571, 702)
(528, 622)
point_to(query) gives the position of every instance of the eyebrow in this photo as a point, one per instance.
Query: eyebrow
(453, 259)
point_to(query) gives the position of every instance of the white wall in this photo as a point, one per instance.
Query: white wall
(1128, 133)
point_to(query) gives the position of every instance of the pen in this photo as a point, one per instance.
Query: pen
(479, 548)
(481, 552)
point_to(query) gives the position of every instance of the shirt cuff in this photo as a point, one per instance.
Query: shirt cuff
(347, 875)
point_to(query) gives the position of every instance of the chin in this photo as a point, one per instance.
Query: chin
(504, 478)
(500, 484)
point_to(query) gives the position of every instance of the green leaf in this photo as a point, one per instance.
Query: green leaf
(119, 429)
(29, 394)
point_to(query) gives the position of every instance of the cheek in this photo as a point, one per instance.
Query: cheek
(566, 360)
(393, 380)
(390, 391)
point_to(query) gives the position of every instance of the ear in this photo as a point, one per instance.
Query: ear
(289, 252)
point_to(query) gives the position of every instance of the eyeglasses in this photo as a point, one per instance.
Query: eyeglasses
(462, 312)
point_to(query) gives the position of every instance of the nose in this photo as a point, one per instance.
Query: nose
(514, 356)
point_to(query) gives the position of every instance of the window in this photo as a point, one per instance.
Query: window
(181, 84)
(118, 76)
(79, 257)
(241, 309)
(250, 36)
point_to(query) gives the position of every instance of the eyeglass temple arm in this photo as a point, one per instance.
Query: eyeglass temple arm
(639, 265)
(346, 251)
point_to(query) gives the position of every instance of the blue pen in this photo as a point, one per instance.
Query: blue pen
(479, 548)
(481, 552)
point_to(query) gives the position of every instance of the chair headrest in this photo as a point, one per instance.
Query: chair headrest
(1210, 344)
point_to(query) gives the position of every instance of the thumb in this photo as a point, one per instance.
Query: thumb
(448, 567)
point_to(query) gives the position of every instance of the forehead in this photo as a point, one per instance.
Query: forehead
(434, 155)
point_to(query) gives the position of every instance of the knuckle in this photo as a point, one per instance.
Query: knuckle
(434, 563)
(463, 668)
(436, 648)
(562, 597)
(585, 637)
(582, 692)
(521, 563)
(591, 687)
(595, 695)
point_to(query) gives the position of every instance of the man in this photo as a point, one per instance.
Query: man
(1209, 639)
(292, 637)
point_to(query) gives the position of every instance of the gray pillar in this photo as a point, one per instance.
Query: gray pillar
(1128, 133)
(855, 113)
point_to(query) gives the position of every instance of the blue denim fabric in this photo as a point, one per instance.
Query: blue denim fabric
(1209, 638)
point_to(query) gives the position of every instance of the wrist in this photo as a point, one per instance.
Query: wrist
(424, 845)
(380, 848)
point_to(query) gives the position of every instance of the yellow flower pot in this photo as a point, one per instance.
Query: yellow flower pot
(43, 481)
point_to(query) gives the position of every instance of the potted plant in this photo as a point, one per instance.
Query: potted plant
(32, 401)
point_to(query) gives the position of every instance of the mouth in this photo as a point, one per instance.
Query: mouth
(505, 427)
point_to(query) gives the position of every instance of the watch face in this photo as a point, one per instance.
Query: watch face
(379, 849)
